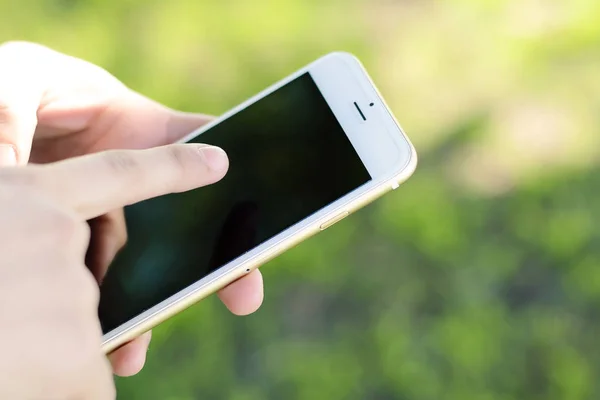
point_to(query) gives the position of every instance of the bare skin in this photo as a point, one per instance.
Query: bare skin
(50, 338)
(55, 107)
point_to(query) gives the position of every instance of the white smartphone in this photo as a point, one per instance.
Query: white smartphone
(304, 154)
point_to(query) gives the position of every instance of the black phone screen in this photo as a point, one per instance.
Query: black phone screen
(288, 158)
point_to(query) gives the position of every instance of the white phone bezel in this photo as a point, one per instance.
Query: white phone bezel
(379, 141)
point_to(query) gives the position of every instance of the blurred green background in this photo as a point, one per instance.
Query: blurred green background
(478, 279)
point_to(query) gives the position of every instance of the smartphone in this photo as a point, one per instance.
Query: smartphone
(303, 154)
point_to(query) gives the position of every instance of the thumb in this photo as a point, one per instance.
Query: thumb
(20, 96)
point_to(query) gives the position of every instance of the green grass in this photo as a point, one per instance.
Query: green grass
(477, 279)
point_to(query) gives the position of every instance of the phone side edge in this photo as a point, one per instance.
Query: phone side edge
(180, 304)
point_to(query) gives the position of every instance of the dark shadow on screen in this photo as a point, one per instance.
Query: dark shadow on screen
(238, 235)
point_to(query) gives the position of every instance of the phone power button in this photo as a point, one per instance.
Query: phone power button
(334, 220)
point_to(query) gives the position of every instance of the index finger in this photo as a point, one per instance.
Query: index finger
(95, 184)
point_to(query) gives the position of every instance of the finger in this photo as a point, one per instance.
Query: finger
(245, 295)
(143, 123)
(70, 95)
(96, 184)
(130, 359)
(121, 120)
(21, 91)
(109, 235)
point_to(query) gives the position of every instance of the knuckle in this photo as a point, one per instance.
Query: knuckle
(179, 159)
(121, 161)
(178, 156)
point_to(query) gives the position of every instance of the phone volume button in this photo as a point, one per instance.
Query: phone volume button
(334, 220)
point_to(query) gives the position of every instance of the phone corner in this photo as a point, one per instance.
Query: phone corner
(407, 169)
(344, 56)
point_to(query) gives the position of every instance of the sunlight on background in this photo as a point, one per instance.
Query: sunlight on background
(478, 279)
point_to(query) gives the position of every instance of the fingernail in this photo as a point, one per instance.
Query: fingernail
(8, 156)
(214, 157)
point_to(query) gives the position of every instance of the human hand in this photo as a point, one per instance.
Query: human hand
(54, 107)
(51, 337)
